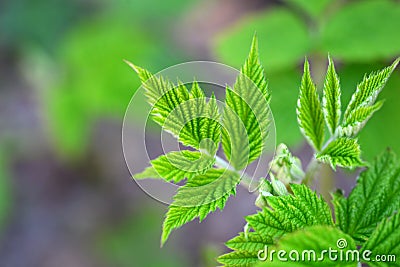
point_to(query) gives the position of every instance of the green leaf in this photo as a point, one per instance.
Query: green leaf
(368, 90)
(309, 111)
(367, 25)
(313, 8)
(246, 116)
(178, 165)
(311, 244)
(343, 152)
(283, 34)
(291, 212)
(385, 240)
(382, 126)
(246, 247)
(284, 215)
(202, 195)
(248, 242)
(239, 259)
(331, 98)
(375, 197)
(357, 119)
(184, 114)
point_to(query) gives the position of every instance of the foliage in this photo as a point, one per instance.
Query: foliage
(245, 117)
(295, 28)
(292, 215)
(375, 197)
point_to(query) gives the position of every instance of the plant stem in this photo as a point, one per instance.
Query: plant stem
(311, 169)
(246, 180)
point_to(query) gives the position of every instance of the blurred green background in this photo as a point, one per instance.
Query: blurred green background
(66, 198)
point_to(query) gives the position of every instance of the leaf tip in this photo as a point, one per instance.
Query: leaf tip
(130, 64)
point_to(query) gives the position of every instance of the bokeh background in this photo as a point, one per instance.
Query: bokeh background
(66, 197)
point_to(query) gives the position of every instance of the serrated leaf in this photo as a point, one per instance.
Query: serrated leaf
(245, 248)
(331, 102)
(291, 212)
(246, 115)
(178, 165)
(239, 259)
(311, 245)
(202, 195)
(343, 152)
(184, 114)
(358, 119)
(385, 240)
(375, 197)
(249, 242)
(309, 111)
(284, 215)
(368, 90)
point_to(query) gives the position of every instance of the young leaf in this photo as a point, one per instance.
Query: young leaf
(202, 195)
(331, 98)
(385, 240)
(343, 152)
(368, 90)
(309, 111)
(246, 115)
(357, 119)
(178, 165)
(375, 197)
(284, 215)
(239, 259)
(311, 245)
(291, 212)
(184, 114)
(245, 248)
(249, 242)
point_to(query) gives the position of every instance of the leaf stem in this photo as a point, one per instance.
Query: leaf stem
(246, 180)
(311, 170)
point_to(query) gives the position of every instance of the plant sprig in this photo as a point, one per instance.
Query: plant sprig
(289, 208)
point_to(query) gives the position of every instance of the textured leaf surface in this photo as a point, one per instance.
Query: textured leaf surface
(383, 126)
(184, 114)
(331, 98)
(385, 240)
(306, 241)
(375, 197)
(368, 90)
(309, 111)
(291, 212)
(245, 248)
(246, 115)
(357, 119)
(285, 215)
(202, 195)
(176, 166)
(249, 242)
(343, 152)
(239, 259)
